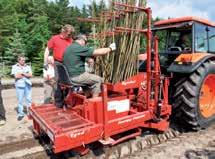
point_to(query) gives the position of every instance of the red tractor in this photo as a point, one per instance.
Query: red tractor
(176, 78)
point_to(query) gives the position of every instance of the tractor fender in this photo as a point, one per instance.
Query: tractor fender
(188, 63)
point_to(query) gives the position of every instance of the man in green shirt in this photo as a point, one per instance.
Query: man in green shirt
(74, 61)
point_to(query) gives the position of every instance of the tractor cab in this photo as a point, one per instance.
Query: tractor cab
(186, 50)
(183, 36)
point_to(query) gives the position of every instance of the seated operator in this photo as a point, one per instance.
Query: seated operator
(74, 60)
(183, 42)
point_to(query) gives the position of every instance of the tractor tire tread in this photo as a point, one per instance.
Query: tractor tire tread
(185, 97)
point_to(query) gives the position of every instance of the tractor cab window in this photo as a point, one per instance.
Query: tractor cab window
(172, 40)
(162, 36)
(201, 40)
(211, 39)
(175, 40)
(180, 40)
(184, 41)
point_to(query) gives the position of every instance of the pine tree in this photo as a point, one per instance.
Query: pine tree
(59, 13)
(16, 48)
(37, 34)
(8, 20)
(85, 27)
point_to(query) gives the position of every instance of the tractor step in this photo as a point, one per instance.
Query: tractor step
(112, 142)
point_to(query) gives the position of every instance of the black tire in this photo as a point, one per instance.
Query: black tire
(185, 98)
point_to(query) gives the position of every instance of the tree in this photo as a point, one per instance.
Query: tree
(102, 6)
(8, 21)
(15, 48)
(85, 27)
(93, 9)
(30, 23)
(37, 34)
(59, 13)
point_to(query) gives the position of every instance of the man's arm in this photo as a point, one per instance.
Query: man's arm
(28, 72)
(28, 75)
(46, 54)
(101, 51)
(21, 75)
(18, 75)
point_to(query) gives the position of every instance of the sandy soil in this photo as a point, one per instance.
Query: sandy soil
(14, 130)
(192, 145)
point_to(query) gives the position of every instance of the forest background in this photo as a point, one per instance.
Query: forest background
(26, 25)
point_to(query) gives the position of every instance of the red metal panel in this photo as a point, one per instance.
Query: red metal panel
(73, 139)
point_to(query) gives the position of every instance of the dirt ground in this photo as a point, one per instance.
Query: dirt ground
(193, 145)
(14, 130)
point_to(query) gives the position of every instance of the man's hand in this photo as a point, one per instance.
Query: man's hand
(24, 74)
(112, 46)
(27, 74)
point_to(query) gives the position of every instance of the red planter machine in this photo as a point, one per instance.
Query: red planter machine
(128, 106)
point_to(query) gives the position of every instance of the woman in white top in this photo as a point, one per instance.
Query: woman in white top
(49, 81)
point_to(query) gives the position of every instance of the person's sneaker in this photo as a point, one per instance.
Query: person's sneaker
(20, 118)
(25, 109)
(2, 122)
(59, 105)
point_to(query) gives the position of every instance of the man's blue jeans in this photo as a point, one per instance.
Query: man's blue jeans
(23, 93)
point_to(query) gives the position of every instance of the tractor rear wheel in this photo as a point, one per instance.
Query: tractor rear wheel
(193, 99)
